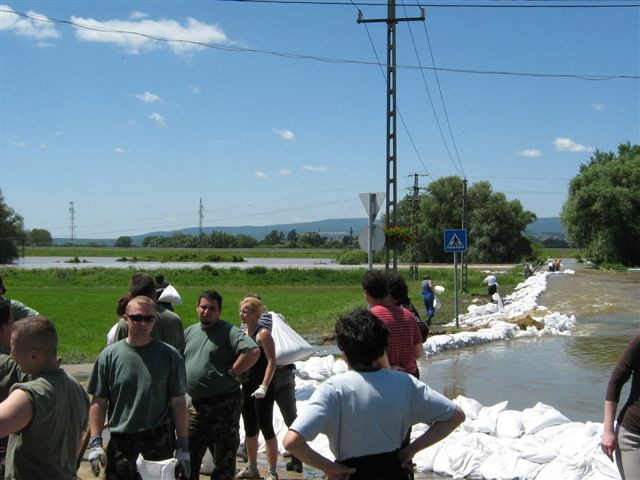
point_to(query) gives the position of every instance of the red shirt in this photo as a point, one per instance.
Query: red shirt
(404, 335)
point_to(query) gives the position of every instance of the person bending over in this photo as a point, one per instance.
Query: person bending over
(366, 411)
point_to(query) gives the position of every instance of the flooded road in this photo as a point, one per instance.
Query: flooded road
(568, 372)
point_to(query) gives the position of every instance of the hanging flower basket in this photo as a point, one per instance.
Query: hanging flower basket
(397, 235)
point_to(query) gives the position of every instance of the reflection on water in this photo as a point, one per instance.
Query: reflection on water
(567, 372)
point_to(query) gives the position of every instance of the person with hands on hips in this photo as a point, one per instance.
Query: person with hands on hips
(258, 398)
(624, 442)
(367, 411)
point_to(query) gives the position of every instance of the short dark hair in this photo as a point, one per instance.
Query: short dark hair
(211, 295)
(361, 336)
(5, 311)
(398, 288)
(38, 333)
(142, 283)
(159, 278)
(374, 282)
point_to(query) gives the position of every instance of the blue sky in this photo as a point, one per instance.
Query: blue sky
(135, 131)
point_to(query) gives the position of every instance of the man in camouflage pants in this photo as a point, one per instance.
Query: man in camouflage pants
(215, 354)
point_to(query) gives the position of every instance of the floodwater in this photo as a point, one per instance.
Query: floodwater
(569, 373)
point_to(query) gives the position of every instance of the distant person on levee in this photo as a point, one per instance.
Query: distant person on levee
(492, 285)
(46, 414)
(167, 327)
(366, 411)
(141, 382)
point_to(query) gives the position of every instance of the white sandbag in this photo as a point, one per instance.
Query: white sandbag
(508, 466)
(437, 304)
(469, 406)
(290, 346)
(160, 470)
(488, 417)
(111, 336)
(509, 424)
(207, 463)
(541, 416)
(438, 289)
(170, 295)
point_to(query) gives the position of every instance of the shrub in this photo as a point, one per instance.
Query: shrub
(352, 257)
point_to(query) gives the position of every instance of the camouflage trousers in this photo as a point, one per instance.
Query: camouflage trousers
(214, 423)
(123, 450)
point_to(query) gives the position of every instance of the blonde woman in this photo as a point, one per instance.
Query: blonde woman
(258, 398)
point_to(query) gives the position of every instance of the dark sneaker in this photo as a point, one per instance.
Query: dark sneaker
(295, 465)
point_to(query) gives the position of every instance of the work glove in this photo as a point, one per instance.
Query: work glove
(182, 455)
(97, 456)
(260, 392)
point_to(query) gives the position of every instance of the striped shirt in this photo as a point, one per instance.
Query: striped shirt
(404, 334)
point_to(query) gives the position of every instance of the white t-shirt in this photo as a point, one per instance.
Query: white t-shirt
(364, 413)
(490, 280)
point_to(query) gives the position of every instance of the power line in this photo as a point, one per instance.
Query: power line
(443, 5)
(337, 60)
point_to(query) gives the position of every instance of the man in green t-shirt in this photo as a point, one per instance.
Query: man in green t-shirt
(45, 415)
(141, 381)
(215, 353)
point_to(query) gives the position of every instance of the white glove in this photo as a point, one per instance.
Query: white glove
(260, 392)
(97, 456)
(182, 455)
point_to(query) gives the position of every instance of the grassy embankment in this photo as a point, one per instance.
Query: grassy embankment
(82, 302)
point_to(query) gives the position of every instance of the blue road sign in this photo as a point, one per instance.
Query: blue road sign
(455, 240)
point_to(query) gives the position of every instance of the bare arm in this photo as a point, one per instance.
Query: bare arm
(609, 439)
(15, 413)
(436, 432)
(383, 362)
(298, 446)
(97, 415)
(418, 350)
(245, 361)
(179, 414)
(265, 340)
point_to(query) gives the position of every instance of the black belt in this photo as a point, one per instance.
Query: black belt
(143, 435)
(290, 366)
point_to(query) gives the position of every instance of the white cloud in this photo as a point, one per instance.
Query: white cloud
(147, 97)
(261, 175)
(18, 143)
(43, 146)
(156, 117)
(284, 133)
(313, 168)
(530, 153)
(568, 145)
(139, 41)
(120, 150)
(598, 106)
(27, 27)
(138, 15)
(195, 90)
(284, 171)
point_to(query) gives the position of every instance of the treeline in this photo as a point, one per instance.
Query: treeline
(275, 238)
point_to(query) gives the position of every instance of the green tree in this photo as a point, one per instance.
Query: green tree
(39, 237)
(292, 236)
(496, 225)
(123, 242)
(274, 237)
(11, 232)
(603, 207)
(311, 239)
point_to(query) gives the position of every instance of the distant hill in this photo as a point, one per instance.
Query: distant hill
(549, 227)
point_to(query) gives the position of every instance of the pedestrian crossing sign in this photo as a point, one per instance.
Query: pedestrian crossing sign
(455, 240)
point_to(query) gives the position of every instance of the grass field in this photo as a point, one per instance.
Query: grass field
(562, 252)
(82, 302)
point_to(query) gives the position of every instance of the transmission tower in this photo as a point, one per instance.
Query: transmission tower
(415, 204)
(390, 253)
(72, 220)
(200, 218)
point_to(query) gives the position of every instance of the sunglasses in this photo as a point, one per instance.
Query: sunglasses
(142, 318)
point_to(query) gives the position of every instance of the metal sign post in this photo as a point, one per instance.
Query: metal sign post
(374, 237)
(455, 241)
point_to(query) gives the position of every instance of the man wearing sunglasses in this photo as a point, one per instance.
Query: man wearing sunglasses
(142, 382)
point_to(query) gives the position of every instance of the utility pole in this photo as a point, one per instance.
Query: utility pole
(465, 226)
(392, 166)
(72, 219)
(415, 200)
(200, 218)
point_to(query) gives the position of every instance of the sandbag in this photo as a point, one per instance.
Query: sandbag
(160, 470)
(541, 416)
(290, 346)
(509, 424)
(111, 336)
(170, 295)
(437, 304)
(438, 289)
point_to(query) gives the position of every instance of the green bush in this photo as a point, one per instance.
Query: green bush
(352, 257)
(257, 270)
